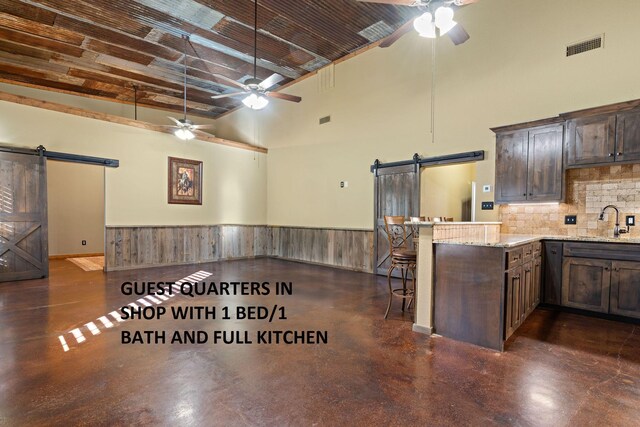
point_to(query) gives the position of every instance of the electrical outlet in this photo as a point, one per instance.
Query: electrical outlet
(344, 184)
(84, 243)
(486, 188)
(570, 219)
(631, 220)
(487, 206)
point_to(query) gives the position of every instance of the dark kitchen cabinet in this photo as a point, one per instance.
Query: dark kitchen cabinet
(585, 283)
(591, 140)
(552, 290)
(513, 301)
(536, 289)
(603, 139)
(625, 288)
(522, 284)
(511, 166)
(529, 165)
(545, 173)
(628, 136)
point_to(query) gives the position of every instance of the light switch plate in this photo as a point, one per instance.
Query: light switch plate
(486, 189)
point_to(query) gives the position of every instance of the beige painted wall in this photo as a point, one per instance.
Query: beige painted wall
(513, 69)
(443, 188)
(234, 180)
(75, 194)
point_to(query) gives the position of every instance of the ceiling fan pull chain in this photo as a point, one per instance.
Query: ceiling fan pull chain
(433, 91)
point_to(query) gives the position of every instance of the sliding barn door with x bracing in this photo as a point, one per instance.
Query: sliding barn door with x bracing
(397, 192)
(23, 217)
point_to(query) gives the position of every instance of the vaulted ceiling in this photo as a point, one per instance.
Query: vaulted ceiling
(105, 48)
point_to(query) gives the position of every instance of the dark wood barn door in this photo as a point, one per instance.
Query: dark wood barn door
(23, 217)
(397, 192)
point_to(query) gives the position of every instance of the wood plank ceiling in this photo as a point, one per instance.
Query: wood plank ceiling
(103, 48)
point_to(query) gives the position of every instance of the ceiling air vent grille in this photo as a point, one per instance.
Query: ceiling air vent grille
(586, 45)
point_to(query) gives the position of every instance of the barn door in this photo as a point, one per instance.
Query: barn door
(23, 217)
(397, 192)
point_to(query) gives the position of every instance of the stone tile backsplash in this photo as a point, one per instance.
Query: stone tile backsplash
(587, 192)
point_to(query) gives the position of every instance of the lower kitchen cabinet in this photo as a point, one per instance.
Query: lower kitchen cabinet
(523, 282)
(513, 301)
(625, 289)
(585, 283)
(552, 281)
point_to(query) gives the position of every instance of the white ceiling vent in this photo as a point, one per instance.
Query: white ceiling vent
(596, 42)
(326, 78)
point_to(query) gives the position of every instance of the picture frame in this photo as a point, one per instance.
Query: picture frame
(184, 181)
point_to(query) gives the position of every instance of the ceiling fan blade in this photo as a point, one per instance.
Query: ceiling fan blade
(167, 126)
(270, 81)
(283, 96)
(178, 122)
(230, 80)
(227, 95)
(396, 2)
(395, 36)
(196, 127)
(458, 34)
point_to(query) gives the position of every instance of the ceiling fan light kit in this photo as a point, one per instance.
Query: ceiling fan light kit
(255, 101)
(184, 134)
(426, 25)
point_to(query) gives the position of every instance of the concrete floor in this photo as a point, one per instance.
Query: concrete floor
(559, 369)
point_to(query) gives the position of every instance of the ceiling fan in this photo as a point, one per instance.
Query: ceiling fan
(256, 89)
(437, 18)
(184, 128)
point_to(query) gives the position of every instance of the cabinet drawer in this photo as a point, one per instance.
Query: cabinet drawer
(612, 251)
(513, 257)
(527, 252)
(537, 248)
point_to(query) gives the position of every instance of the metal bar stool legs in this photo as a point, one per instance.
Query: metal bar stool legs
(403, 292)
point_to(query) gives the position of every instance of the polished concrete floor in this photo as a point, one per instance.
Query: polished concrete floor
(559, 369)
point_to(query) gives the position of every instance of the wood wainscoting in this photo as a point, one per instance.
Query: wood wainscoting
(344, 248)
(129, 247)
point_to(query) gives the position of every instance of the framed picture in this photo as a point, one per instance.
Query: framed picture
(185, 181)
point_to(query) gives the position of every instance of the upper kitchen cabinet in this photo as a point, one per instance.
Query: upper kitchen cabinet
(591, 140)
(529, 164)
(628, 136)
(602, 139)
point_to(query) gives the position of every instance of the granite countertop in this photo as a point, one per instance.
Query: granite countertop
(510, 240)
(432, 223)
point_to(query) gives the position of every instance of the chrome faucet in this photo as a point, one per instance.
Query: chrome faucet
(616, 230)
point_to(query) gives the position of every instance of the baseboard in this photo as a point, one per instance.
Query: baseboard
(302, 261)
(144, 266)
(75, 256)
(427, 330)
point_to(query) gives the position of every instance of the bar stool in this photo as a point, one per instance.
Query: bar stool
(401, 257)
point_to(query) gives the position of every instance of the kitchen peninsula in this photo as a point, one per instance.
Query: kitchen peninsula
(484, 288)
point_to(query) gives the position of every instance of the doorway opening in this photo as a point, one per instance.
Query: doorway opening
(76, 213)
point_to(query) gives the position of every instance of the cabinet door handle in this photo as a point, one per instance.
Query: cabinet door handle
(525, 194)
(610, 154)
(619, 154)
(531, 194)
(606, 268)
(554, 252)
